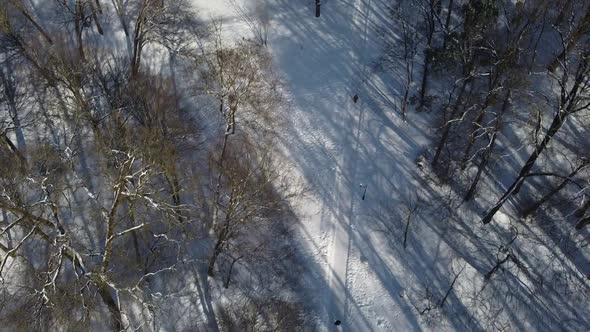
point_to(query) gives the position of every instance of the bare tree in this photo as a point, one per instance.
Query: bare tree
(122, 16)
(582, 28)
(411, 209)
(405, 55)
(240, 79)
(122, 196)
(15, 120)
(489, 147)
(255, 191)
(430, 11)
(23, 10)
(572, 99)
(257, 18)
(562, 184)
(478, 23)
(503, 70)
(163, 22)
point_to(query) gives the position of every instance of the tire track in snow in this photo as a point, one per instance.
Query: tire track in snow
(347, 186)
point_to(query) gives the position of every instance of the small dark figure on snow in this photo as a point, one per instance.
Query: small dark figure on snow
(338, 322)
(355, 98)
(364, 186)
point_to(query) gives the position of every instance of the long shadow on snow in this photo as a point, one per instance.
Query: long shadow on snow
(325, 127)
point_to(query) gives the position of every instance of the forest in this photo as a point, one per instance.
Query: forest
(294, 165)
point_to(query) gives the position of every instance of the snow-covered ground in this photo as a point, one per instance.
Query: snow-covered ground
(368, 190)
(358, 269)
(337, 145)
(339, 148)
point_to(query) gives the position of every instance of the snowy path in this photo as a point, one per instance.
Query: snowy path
(337, 269)
(326, 62)
(333, 145)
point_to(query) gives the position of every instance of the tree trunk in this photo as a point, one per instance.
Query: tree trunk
(555, 190)
(216, 251)
(121, 15)
(488, 152)
(427, 57)
(174, 185)
(582, 210)
(545, 198)
(131, 209)
(114, 310)
(571, 41)
(222, 237)
(32, 20)
(562, 12)
(98, 6)
(13, 149)
(409, 77)
(317, 8)
(493, 86)
(112, 220)
(567, 107)
(496, 267)
(407, 229)
(231, 268)
(583, 222)
(447, 125)
(218, 183)
(137, 47)
(442, 302)
(424, 81)
(558, 122)
(437, 5)
(448, 24)
(478, 122)
(10, 86)
(97, 9)
(79, 27)
(472, 138)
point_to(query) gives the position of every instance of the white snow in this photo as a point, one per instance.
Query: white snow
(336, 144)
(358, 269)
